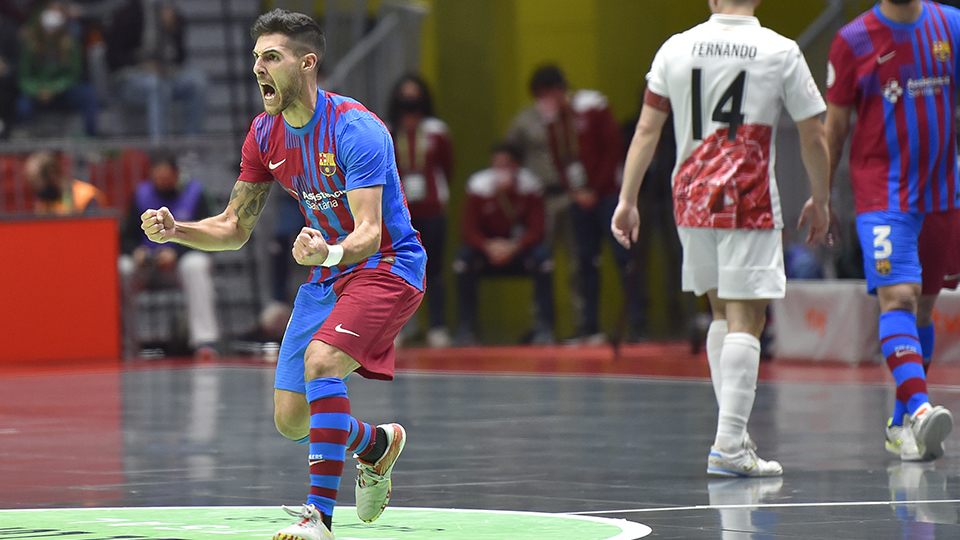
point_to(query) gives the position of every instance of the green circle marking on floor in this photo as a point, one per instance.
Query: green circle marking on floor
(223, 522)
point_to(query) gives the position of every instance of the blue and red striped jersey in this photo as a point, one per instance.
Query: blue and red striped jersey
(343, 147)
(901, 80)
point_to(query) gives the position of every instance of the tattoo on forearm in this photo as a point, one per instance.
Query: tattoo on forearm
(249, 199)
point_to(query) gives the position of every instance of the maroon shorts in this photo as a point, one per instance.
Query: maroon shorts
(939, 250)
(371, 308)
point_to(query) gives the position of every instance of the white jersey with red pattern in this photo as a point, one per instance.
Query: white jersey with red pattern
(727, 80)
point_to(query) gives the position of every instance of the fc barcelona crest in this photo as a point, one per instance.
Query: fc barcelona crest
(941, 50)
(327, 164)
(883, 267)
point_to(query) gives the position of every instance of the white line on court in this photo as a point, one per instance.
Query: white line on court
(764, 505)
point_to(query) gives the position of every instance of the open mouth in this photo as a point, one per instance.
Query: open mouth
(269, 93)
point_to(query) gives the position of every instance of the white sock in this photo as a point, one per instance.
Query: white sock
(739, 363)
(715, 336)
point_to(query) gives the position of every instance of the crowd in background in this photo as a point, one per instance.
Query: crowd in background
(550, 188)
(84, 56)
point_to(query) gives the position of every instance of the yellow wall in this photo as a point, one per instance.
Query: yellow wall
(478, 55)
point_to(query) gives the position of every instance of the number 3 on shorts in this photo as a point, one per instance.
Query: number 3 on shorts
(881, 242)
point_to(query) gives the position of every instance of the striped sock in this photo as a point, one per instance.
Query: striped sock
(901, 347)
(361, 438)
(329, 427)
(927, 337)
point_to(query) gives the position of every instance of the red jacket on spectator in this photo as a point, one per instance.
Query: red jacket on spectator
(498, 207)
(599, 141)
(583, 140)
(425, 163)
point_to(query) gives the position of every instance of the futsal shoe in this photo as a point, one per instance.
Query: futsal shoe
(744, 463)
(901, 442)
(310, 526)
(748, 442)
(931, 425)
(373, 482)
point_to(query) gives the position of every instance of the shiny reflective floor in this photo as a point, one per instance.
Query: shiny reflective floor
(626, 446)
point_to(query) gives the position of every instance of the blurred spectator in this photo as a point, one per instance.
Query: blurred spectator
(274, 317)
(800, 262)
(51, 68)
(503, 233)
(656, 212)
(147, 265)
(572, 142)
(146, 54)
(425, 163)
(55, 191)
(9, 90)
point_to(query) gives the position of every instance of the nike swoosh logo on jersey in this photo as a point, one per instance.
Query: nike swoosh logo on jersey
(951, 277)
(343, 330)
(273, 165)
(884, 58)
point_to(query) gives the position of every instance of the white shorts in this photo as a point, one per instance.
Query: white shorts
(740, 264)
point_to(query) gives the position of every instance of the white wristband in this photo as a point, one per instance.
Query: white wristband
(334, 254)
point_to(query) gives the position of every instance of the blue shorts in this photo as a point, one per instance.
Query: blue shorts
(313, 305)
(889, 243)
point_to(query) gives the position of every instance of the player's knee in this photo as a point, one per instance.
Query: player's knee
(292, 422)
(898, 298)
(322, 360)
(287, 428)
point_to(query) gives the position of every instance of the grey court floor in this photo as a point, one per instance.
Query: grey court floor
(632, 448)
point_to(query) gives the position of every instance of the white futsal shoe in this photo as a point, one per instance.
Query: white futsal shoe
(930, 426)
(373, 482)
(310, 526)
(901, 442)
(744, 463)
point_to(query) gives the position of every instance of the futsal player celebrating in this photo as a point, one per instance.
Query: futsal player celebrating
(896, 65)
(337, 159)
(726, 81)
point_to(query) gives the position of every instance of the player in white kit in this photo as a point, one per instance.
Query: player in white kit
(726, 81)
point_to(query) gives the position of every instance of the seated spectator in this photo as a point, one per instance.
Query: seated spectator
(146, 53)
(503, 233)
(55, 192)
(51, 69)
(145, 264)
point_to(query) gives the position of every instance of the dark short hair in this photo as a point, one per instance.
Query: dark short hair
(547, 78)
(513, 150)
(164, 158)
(426, 102)
(301, 29)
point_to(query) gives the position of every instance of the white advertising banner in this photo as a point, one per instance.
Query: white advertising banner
(837, 320)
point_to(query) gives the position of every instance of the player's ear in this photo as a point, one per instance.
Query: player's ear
(309, 61)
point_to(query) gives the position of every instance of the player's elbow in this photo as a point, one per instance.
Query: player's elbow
(236, 235)
(812, 131)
